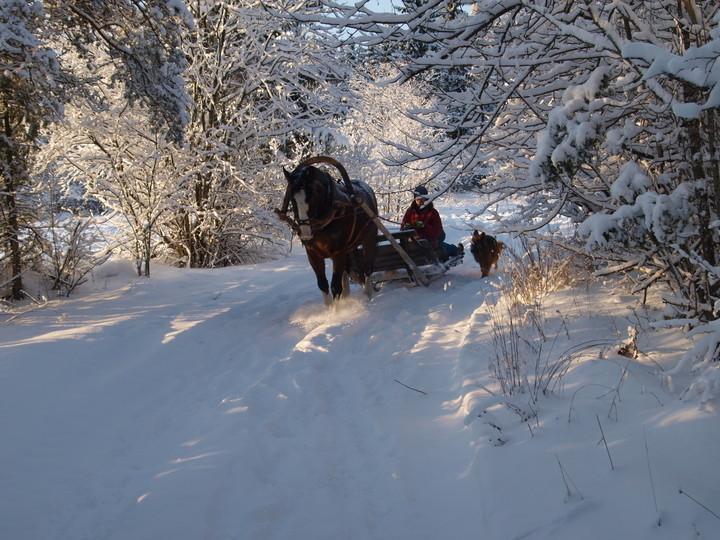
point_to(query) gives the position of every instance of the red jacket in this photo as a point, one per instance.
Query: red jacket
(431, 229)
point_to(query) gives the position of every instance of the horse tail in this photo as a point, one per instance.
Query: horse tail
(335, 163)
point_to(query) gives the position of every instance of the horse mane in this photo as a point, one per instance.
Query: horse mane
(335, 163)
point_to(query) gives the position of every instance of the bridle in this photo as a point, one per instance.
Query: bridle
(296, 221)
(316, 224)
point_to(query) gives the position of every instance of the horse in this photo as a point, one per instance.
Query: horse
(331, 223)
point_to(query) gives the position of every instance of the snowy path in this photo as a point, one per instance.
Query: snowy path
(232, 404)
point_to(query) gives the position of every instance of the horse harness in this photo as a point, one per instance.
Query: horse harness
(338, 212)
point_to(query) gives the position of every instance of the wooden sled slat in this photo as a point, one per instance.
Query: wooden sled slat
(391, 266)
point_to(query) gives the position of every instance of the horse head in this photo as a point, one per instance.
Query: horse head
(311, 192)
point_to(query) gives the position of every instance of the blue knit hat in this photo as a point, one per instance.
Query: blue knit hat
(420, 192)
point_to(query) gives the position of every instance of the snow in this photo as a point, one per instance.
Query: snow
(631, 182)
(571, 126)
(179, 7)
(698, 66)
(233, 404)
(615, 138)
(661, 215)
(589, 89)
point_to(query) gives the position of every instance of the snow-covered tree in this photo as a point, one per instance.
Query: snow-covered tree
(380, 121)
(29, 96)
(262, 91)
(40, 43)
(71, 246)
(124, 163)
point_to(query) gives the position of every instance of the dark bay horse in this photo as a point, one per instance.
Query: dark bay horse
(330, 223)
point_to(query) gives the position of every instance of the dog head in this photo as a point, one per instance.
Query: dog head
(486, 251)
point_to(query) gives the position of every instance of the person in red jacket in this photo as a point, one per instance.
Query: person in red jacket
(426, 221)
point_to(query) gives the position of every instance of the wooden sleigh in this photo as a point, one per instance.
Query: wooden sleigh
(405, 258)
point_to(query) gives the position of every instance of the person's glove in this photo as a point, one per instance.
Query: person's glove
(419, 224)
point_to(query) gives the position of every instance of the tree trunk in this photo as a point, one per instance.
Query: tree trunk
(711, 126)
(147, 248)
(13, 241)
(13, 170)
(699, 141)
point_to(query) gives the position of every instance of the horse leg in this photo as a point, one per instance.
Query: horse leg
(345, 285)
(336, 285)
(318, 266)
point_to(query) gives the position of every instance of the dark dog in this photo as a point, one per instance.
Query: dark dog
(486, 251)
